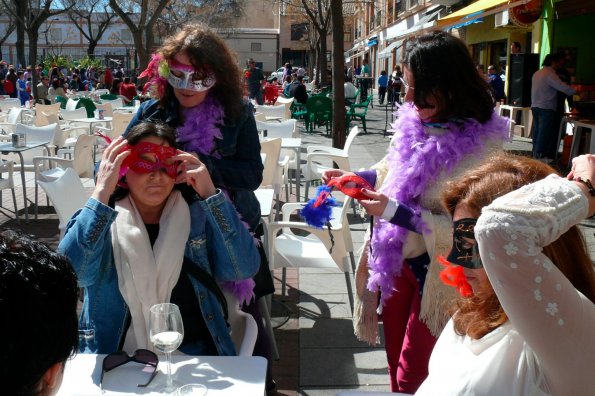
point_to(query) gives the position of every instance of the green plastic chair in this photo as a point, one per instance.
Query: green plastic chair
(320, 111)
(352, 99)
(358, 110)
(88, 105)
(62, 100)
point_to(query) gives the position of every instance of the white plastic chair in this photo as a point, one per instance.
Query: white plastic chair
(313, 170)
(43, 111)
(260, 117)
(34, 134)
(275, 168)
(284, 129)
(106, 107)
(7, 183)
(243, 326)
(10, 120)
(290, 250)
(81, 162)
(71, 105)
(115, 102)
(120, 122)
(287, 102)
(67, 195)
(272, 112)
(8, 104)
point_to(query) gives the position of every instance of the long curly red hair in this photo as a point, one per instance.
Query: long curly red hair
(478, 315)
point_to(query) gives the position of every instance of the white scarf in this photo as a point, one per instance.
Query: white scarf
(147, 276)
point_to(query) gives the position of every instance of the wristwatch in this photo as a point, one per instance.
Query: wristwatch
(587, 183)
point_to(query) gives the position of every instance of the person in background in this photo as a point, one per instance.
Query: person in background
(38, 299)
(140, 240)
(73, 85)
(446, 126)
(43, 91)
(301, 72)
(515, 48)
(23, 95)
(12, 78)
(200, 93)
(254, 78)
(350, 90)
(525, 321)
(382, 86)
(108, 78)
(287, 71)
(395, 86)
(56, 90)
(298, 91)
(365, 82)
(496, 83)
(115, 87)
(286, 82)
(128, 91)
(545, 86)
(3, 70)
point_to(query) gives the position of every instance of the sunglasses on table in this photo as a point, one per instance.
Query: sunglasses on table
(117, 359)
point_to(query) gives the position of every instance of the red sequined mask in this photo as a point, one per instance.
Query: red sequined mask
(148, 157)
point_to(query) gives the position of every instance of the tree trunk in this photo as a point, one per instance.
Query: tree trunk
(20, 42)
(338, 75)
(91, 48)
(322, 63)
(33, 36)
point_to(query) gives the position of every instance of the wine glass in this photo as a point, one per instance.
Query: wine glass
(166, 331)
(191, 390)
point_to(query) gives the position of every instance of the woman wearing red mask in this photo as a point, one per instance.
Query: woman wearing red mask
(142, 240)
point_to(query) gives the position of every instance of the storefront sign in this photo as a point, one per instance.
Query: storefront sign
(525, 14)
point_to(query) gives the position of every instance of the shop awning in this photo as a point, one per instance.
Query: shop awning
(425, 22)
(387, 52)
(475, 11)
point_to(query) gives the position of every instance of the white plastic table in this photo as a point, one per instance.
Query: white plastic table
(222, 375)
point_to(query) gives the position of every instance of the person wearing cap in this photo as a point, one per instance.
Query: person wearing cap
(523, 324)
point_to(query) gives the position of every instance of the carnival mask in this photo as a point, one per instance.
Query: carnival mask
(148, 157)
(183, 76)
(464, 247)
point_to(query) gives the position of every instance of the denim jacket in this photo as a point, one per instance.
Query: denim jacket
(218, 243)
(239, 170)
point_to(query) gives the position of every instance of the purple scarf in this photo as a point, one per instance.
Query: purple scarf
(415, 161)
(201, 127)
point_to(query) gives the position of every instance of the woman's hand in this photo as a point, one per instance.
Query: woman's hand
(194, 173)
(329, 174)
(109, 170)
(583, 167)
(376, 204)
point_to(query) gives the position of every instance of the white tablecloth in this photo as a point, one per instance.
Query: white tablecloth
(222, 375)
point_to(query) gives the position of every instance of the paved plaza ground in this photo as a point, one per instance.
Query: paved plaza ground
(319, 355)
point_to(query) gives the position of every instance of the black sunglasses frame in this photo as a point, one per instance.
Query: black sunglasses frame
(129, 358)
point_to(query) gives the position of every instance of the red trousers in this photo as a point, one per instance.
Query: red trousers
(408, 341)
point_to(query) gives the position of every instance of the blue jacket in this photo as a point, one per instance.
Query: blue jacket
(239, 170)
(229, 254)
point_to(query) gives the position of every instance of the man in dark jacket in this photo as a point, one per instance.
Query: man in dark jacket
(298, 91)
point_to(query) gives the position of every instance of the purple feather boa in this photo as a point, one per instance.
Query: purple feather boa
(201, 127)
(415, 161)
(243, 289)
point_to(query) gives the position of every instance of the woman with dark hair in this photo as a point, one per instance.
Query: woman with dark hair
(446, 126)
(56, 89)
(199, 91)
(525, 322)
(140, 241)
(115, 88)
